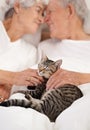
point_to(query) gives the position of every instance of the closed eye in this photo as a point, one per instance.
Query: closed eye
(44, 68)
(40, 9)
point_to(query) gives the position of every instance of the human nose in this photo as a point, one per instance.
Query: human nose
(47, 19)
(41, 19)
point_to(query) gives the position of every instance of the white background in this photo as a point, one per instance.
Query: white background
(88, 3)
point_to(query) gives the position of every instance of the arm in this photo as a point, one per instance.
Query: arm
(64, 76)
(7, 79)
(26, 77)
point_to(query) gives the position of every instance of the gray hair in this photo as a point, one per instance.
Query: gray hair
(81, 10)
(24, 3)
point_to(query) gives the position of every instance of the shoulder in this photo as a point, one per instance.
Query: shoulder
(50, 43)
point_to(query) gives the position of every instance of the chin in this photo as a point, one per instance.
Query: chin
(34, 30)
(56, 36)
(52, 35)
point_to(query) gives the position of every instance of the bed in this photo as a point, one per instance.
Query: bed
(17, 118)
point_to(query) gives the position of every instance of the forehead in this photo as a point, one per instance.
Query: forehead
(40, 4)
(53, 4)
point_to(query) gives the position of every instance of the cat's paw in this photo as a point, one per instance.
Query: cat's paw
(28, 96)
(31, 87)
(5, 104)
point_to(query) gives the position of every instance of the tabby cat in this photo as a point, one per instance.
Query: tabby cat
(49, 102)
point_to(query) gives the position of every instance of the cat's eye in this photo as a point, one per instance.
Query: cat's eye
(42, 68)
(46, 68)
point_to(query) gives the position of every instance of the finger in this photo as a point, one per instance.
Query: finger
(2, 98)
(60, 84)
(35, 81)
(28, 83)
(39, 78)
(50, 83)
(35, 74)
(53, 78)
(53, 83)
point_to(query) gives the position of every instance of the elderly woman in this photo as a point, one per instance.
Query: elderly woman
(68, 22)
(22, 17)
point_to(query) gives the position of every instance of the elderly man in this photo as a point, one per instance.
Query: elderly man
(68, 22)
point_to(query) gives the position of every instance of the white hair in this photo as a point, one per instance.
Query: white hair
(24, 3)
(6, 5)
(82, 11)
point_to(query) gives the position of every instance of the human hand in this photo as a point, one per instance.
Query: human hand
(4, 92)
(61, 77)
(27, 77)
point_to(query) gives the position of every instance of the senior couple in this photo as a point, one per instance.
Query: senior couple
(70, 41)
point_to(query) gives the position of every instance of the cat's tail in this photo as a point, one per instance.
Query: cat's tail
(16, 102)
(30, 103)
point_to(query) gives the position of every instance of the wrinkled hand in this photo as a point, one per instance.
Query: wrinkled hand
(27, 77)
(61, 77)
(4, 92)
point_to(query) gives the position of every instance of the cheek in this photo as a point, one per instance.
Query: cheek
(34, 29)
(62, 23)
(61, 29)
(32, 24)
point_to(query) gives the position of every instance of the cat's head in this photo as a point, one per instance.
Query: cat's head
(47, 67)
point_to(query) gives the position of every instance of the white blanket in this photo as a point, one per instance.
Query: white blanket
(76, 117)
(17, 118)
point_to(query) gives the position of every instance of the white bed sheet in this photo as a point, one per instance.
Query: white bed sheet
(17, 118)
(76, 117)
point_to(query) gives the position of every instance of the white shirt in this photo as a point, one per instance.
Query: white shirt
(15, 56)
(75, 54)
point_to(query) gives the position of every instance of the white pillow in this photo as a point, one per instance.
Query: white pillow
(3, 8)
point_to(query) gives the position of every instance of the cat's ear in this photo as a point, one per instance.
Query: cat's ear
(58, 63)
(44, 57)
